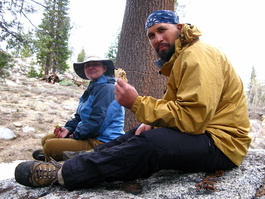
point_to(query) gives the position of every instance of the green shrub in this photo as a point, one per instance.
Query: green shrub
(33, 73)
(66, 82)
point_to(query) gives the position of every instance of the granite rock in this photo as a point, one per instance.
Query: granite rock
(244, 182)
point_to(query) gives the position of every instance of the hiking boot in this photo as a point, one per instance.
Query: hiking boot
(70, 154)
(37, 174)
(38, 155)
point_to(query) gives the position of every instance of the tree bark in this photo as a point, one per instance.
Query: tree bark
(135, 55)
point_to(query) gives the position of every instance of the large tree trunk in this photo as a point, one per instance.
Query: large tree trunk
(135, 54)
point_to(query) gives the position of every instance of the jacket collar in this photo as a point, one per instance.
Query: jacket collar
(102, 80)
(189, 34)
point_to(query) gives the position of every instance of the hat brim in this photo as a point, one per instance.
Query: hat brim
(79, 68)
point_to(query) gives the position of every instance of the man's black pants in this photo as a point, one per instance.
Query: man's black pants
(130, 157)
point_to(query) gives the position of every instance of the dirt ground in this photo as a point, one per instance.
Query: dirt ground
(33, 103)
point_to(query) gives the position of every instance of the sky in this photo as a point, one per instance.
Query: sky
(234, 26)
(96, 24)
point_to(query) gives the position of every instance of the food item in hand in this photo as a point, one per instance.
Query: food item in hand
(120, 73)
(57, 126)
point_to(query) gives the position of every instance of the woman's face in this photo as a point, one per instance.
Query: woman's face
(94, 69)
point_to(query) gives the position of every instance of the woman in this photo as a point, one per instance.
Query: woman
(99, 118)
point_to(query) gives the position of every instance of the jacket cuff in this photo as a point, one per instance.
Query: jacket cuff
(135, 104)
(71, 130)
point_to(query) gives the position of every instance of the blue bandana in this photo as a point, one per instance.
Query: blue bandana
(161, 16)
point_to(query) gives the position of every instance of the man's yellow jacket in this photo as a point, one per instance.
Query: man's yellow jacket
(204, 95)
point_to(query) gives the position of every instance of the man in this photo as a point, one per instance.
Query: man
(200, 124)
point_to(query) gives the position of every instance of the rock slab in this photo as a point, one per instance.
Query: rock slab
(244, 182)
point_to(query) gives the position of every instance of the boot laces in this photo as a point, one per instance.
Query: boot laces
(46, 170)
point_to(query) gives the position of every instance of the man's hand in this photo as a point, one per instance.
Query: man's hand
(61, 132)
(125, 94)
(142, 128)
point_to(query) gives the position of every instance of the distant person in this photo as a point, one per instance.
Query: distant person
(99, 118)
(200, 124)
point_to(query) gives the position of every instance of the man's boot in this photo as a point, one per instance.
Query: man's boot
(37, 174)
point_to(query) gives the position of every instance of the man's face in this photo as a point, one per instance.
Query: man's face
(162, 38)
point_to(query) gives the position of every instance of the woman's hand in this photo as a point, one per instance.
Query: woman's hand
(61, 132)
(142, 128)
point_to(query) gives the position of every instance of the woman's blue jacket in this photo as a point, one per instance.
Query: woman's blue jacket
(98, 114)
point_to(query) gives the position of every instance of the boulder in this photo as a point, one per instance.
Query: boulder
(244, 182)
(6, 133)
(28, 129)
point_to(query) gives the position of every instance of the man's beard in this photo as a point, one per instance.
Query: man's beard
(166, 54)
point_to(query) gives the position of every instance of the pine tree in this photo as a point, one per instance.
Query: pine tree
(53, 36)
(11, 14)
(113, 49)
(81, 56)
(252, 86)
(256, 96)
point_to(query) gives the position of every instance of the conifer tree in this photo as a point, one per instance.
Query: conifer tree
(53, 36)
(12, 14)
(252, 86)
(256, 96)
(113, 49)
(81, 56)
